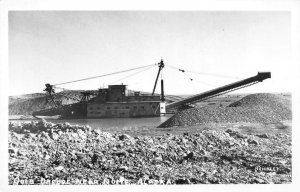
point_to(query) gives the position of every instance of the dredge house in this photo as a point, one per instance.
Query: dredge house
(116, 101)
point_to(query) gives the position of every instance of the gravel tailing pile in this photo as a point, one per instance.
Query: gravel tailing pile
(254, 108)
(267, 99)
(46, 153)
(29, 103)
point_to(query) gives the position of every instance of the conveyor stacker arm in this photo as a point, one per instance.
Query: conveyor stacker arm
(221, 90)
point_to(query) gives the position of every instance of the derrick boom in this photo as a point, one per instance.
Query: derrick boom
(221, 90)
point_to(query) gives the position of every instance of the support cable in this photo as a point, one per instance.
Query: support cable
(128, 76)
(191, 79)
(104, 75)
(181, 70)
(200, 73)
(215, 75)
(211, 85)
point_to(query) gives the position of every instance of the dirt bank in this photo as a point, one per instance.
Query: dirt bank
(26, 104)
(40, 152)
(254, 108)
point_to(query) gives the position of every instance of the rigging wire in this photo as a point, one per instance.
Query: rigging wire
(201, 73)
(181, 70)
(215, 75)
(191, 79)
(187, 76)
(128, 76)
(211, 85)
(104, 75)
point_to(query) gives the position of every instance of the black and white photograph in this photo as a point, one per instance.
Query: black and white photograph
(104, 97)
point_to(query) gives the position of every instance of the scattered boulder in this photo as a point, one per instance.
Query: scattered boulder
(265, 135)
(124, 137)
(59, 168)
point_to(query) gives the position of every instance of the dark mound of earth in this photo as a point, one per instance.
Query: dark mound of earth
(254, 108)
(29, 103)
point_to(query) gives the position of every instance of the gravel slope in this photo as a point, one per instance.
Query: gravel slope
(254, 108)
(42, 152)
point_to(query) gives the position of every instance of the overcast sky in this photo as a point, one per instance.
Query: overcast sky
(59, 46)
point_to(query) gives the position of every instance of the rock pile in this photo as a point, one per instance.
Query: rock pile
(46, 153)
(254, 108)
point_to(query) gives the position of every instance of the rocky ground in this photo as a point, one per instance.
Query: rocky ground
(46, 153)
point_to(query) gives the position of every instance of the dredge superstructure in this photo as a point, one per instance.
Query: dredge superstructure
(117, 102)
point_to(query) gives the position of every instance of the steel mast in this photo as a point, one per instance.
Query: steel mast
(161, 65)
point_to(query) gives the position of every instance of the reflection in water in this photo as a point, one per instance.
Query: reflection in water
(147, 126)
(132, 126)
(116, 123)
